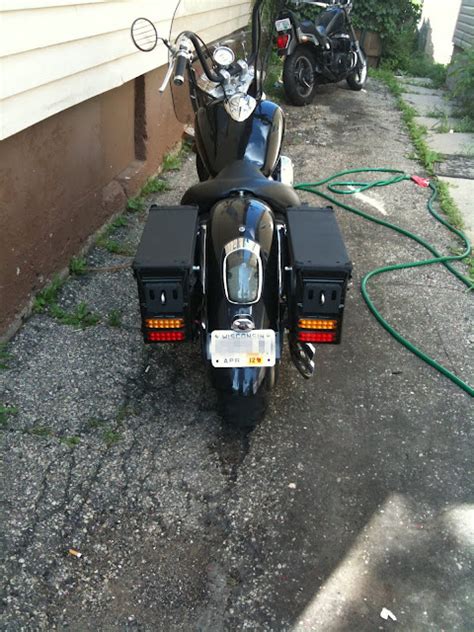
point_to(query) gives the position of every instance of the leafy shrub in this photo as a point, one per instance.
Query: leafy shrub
(462, 72)
(395, 22)
(420, 65)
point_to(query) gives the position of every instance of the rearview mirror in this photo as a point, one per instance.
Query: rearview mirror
(144, 34)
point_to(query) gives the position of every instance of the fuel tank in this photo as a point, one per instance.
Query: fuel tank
(330, 21)
(220, 140)
(242, 223)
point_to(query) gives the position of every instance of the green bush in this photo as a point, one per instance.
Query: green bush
(420, 65)
(462, 72)
(395, 22)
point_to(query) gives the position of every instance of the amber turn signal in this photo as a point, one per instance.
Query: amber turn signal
(317, 323)
(164, 323)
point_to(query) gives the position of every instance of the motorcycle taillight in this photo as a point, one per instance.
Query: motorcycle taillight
(283, 41)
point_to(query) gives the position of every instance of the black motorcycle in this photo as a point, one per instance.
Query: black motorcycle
(240, 260)
(320, 50)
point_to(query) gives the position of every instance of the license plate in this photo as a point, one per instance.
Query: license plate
(283, 25)
(242, 349)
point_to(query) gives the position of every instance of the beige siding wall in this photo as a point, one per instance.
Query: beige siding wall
(464, 33)
(57, 53)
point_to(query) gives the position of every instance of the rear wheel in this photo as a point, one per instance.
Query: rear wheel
(242, 412)
(246, 411)
(356, 80)
(298, 76)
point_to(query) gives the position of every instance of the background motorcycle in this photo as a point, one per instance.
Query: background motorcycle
(323, 50)
(219, 265)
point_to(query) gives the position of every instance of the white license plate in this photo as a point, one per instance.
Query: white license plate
(283, 25)
(238, 349)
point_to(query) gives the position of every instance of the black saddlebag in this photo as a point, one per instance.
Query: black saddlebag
(320, 272)
(163, 268)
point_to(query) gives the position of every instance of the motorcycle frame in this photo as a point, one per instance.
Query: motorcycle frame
(316, 43)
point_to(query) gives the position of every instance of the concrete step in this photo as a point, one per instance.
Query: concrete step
(425, 104)
(455, 144)
(456, 167)
(416, 81)
(433, 124)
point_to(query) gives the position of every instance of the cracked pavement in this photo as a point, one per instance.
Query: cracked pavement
(353, 495)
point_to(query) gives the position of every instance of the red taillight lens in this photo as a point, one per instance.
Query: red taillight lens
(165, 336)
(282, 41)
(317, 336)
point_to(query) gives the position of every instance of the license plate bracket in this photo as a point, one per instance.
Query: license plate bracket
(283, 25)
(231, 349)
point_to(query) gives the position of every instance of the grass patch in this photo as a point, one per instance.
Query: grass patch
(114, 247)
(5, 413)
(136, 204)
(152, 185)
(115, 318)
(78, 266)
(420, 65)
(48, 295)
(81, 317)
(111, 437)
(155, 185)
(273, 86)
(119, 222)
(172, 161)
(448, 205)
(5, 357)
(41, 431)
(425, 155)
(71, 442)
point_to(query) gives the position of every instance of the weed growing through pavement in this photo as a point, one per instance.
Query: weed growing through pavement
(71, 442)
(115, 318)
(114, 247)
(5, 413)
(5, 357)
(136, 204)
(78, 266)
(81, 317)
(48, 295)
(46, 302)
(111, 437)
(172, 162)
(41, 431)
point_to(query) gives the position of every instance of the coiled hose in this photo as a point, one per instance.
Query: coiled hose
(350, 187)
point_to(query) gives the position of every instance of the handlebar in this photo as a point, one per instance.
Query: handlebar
(181, 62)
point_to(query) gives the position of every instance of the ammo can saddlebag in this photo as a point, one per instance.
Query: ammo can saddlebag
(320, 272)
(163, 268)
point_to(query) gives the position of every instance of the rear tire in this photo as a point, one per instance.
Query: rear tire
(242, 412)
(356, 80)
(298, 76)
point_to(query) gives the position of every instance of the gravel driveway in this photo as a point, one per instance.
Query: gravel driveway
(352, 496)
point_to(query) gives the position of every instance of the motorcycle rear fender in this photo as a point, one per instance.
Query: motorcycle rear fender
(235, 218)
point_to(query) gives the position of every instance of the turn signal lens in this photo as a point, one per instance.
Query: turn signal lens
(282, 41)
(165, 336)
(317, 336)
(164, 323)
(313, 323)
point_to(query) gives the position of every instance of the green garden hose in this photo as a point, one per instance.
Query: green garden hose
(348, 187)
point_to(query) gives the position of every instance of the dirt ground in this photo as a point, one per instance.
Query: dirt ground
(353, 495)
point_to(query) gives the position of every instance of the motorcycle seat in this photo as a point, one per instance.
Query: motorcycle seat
(309, 27)
(241, 175)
